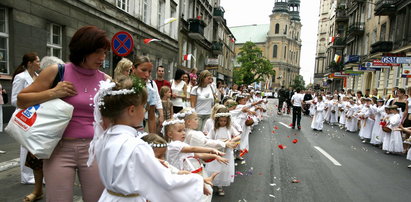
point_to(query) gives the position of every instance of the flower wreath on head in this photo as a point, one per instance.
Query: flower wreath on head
(158, 145)
(222, 115)
(106, 89)
(171, 122)
(182, 115)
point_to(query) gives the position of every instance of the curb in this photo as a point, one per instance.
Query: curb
(9, 164)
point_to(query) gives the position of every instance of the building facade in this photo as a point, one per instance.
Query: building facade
(46, 27)
(372, 29)
(204, 34)
(279, 41)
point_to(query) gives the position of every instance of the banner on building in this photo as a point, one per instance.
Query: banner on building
(396, 60)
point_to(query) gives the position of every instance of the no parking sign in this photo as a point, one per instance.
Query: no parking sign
(122, 43)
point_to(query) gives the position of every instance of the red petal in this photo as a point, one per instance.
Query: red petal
(295, 141)
(288, 136)
(291, 125)
(282, 146)
(296, 181)
(276, 127)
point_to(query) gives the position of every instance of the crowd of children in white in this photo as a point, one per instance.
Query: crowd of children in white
(380, 122)
(184, 160)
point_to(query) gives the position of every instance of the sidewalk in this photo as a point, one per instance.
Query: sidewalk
(10, 158)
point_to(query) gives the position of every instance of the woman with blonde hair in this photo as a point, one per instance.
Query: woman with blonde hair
(202, 97)
(123, 68)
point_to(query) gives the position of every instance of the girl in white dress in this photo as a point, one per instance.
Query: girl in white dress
(120, 148)
(408, 132)
(379, 113)
(366, 123)
(334, 110)
(223, 131)
(393, 142)
(178, 151)
(343, 109)
(318, 119)
(194, 137)
(327, 109)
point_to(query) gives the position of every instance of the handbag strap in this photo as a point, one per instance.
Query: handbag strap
(59, 75)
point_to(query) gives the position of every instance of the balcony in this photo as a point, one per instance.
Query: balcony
(381, 46)
(217, 48)
(356, 29)
(218, 14)
(196, 28)
(338, 43)
(341, 14)
(385, 7)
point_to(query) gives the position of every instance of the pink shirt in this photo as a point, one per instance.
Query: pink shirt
(86, 83)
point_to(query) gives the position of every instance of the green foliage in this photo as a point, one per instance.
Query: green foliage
(298, 82)
(254, 67)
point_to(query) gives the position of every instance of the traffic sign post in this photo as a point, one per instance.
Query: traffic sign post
(122, 43)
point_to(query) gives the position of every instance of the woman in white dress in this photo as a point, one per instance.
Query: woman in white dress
(178, 89)
(23, 76)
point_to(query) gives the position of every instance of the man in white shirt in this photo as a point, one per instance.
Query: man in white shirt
(297, 101)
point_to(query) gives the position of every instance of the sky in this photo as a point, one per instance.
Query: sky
(247, 12)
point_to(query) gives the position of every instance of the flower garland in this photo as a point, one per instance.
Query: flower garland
(181, 115)
(159, 145)
(171, 122)
(222, 115)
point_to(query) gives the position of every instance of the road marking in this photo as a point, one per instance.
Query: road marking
(335, 162)
(9, 164)
(285, 125)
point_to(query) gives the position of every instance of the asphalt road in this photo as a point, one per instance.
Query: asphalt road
(361, 172)
(365, 172)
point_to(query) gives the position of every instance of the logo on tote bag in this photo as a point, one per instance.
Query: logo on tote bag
(25, 118)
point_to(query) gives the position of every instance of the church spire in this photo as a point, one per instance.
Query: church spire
(294, 9)
(280, 6)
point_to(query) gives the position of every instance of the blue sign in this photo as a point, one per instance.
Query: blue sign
(122, 43)
(396, 60)
(351, 59)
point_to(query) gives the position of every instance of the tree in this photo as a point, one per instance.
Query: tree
(254, 67)
(298, 82)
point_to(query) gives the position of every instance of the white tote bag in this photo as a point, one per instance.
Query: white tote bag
(39, 128)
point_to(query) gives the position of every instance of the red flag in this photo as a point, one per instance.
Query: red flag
(188, 57)
(146, 41)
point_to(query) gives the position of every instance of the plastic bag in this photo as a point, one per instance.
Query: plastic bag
(39, 128)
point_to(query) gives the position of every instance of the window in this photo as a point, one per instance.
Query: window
(277, 28)
(173, 25)
(161, 15)
(369, 10)
(366, 44)
(383, 31)
(4, 41)
(54, 40)
(377, 81)
(146, 11)
(123, 5)
(285, 52)
(275, 51)
(397, 76)
(285, 31)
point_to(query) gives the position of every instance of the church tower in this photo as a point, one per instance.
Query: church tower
(283, 44)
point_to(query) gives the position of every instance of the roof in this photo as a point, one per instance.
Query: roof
(254, 33)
